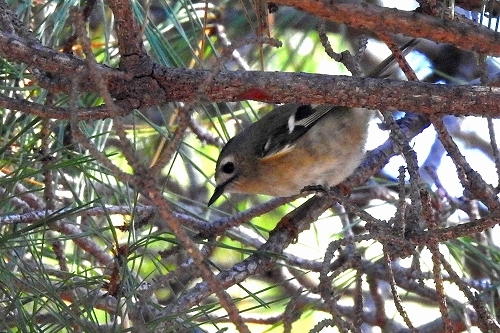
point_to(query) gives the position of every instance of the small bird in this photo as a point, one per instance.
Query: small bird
(291, 147)
(296, 145)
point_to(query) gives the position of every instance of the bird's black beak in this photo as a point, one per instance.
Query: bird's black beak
(217, 193)
(219, 190)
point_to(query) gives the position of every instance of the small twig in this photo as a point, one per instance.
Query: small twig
(344, 58)
(218, 226)
(378, 300)
(203, 135)
(470, 179)
(221, 33)
(486, 323)
(126, 147)
(395, 296)
(494, 148)
(400, 217)
(436, 267)
(398, 56)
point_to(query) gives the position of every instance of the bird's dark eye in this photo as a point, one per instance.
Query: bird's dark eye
(228, 168)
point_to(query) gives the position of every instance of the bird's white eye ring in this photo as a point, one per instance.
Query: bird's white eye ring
(227, 165)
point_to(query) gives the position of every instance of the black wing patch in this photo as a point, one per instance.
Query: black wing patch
(282, 139)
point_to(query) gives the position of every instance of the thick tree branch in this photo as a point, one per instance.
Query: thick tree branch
(275, 87)
(126, 27)
(158, 85)
(55, 112)
(463, 34)
(278, 87)
(134, 58)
